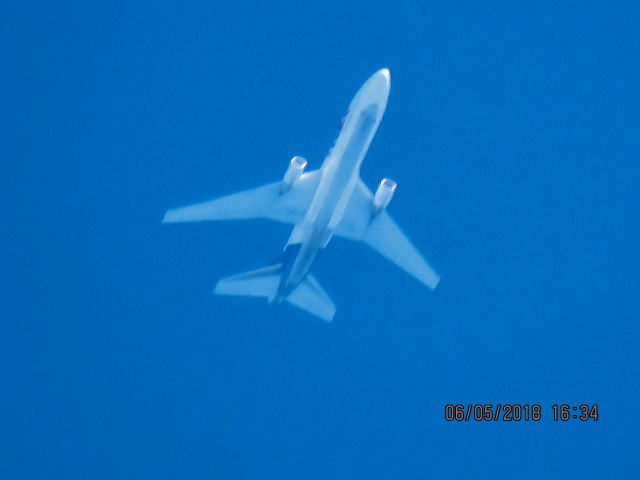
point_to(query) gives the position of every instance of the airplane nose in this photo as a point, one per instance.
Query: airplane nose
(379, 83)
(381, 80)
(375, 90)
(385, 74)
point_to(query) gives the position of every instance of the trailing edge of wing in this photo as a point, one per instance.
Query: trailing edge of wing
(382, 234)
(262, 202)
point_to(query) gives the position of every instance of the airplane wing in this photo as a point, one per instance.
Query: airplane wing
(262, 202)
(382, 234)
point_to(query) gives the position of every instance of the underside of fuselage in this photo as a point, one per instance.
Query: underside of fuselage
(341, 174)
(288, 282)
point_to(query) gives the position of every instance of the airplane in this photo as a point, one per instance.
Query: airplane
(327, 202)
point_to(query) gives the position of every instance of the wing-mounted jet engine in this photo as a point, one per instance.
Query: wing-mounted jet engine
(295, 170)
(383, 195)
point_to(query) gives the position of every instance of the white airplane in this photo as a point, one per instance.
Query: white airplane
(329, 201)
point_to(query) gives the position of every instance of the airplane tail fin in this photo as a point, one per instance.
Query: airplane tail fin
(308, 296)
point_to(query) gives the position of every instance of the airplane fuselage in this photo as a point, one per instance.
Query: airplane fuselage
(340, 172)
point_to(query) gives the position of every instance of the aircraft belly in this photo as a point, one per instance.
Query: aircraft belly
(343, 174)
(341, 171)
(296, 263)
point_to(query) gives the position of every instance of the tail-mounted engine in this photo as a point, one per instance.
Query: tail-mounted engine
(383, 195)
(295, 170)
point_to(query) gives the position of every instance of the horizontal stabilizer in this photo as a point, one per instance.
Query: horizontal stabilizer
(257, 283)
(264, 282)
(310, 296)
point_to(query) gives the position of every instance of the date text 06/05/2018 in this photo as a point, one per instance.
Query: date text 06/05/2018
(519, 412)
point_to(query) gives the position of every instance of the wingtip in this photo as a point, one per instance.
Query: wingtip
(168, 217)
(430, 281)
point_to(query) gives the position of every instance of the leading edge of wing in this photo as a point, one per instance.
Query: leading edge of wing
(382, 234)
(266, 201)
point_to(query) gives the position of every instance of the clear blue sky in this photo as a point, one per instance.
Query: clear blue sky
(513, 133)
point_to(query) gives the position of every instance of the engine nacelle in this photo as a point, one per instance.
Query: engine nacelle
(296, 168)
(383, 195)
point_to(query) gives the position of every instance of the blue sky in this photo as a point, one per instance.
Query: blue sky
(512, 131)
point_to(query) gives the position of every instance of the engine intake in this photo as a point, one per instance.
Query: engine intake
(383, 195)
(295, 170)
